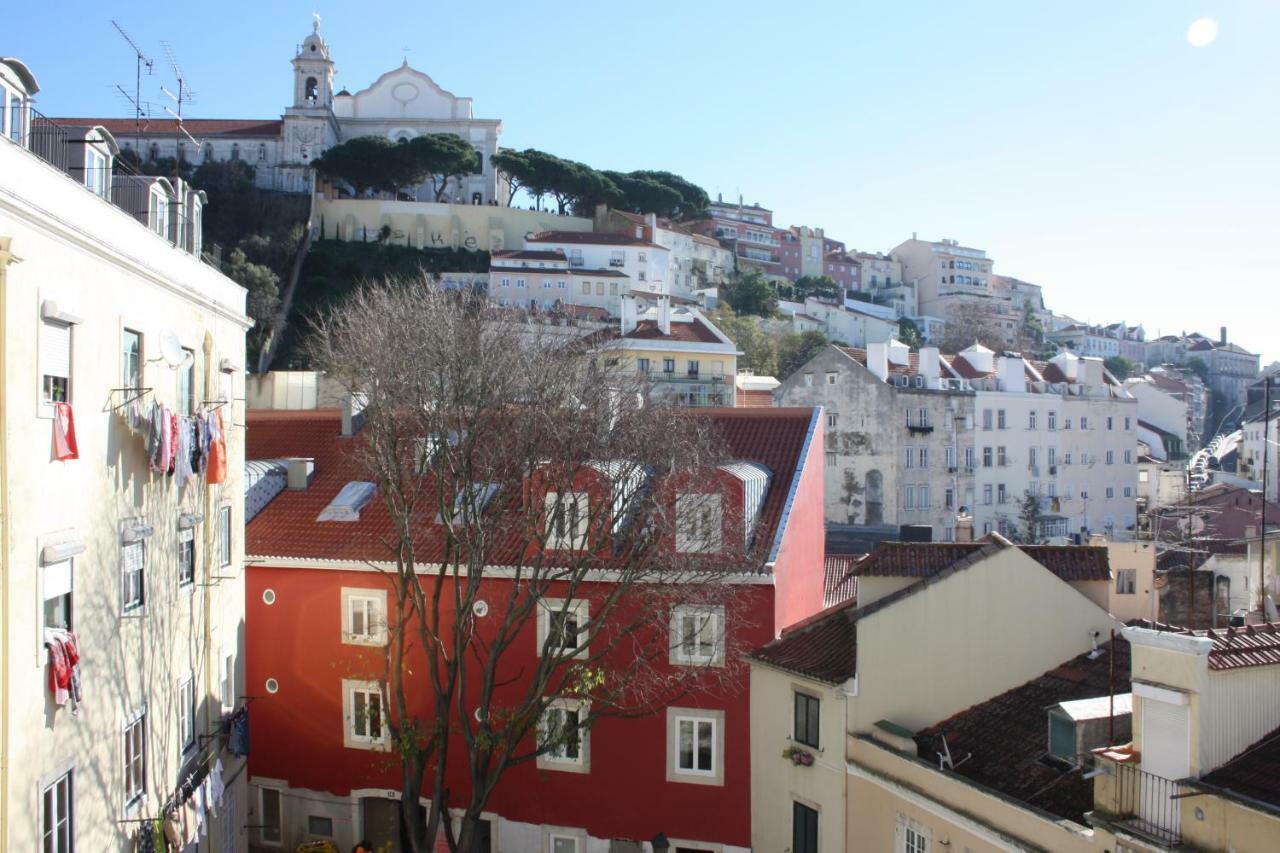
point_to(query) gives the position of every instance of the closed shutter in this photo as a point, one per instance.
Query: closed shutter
(1166, 739)
(57, 579)
(55, 351)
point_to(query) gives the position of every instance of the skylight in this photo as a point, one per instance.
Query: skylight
(347, 504)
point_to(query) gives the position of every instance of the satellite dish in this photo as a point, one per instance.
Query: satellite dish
(171, 349)
(480, 608)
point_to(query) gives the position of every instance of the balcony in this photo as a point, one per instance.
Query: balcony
(681, 376)
(1143, 803)
(617, 263)
(919, 429)
(577, 262)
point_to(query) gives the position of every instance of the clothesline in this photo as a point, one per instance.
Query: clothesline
(177, 445)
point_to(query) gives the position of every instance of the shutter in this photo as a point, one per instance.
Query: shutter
(57, 579)
(1166, 739)
(55, 349)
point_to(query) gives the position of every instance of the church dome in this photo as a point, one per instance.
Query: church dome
(314, 45)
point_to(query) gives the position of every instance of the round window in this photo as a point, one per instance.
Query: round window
(273, 686)
(269, 596)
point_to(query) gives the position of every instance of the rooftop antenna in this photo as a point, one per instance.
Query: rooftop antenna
(140, 60)
(944, 757)
(185, 95)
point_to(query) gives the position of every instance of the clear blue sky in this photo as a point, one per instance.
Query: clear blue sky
(1086, 145)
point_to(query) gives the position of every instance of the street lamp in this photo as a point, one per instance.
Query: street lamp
(660, 843)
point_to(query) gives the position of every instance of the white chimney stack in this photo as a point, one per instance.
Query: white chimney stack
(1012, 374)
(651, 222)
(301, 470)
(878, 360)
(664, 314)
(929, 365)
(628, 314)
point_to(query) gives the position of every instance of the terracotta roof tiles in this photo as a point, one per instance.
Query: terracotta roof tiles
(1254, 773)
(918, 559)
(839, 584)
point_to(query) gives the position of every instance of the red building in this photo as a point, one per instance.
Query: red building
(317, 771)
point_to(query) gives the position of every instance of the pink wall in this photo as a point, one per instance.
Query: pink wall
(799, 567)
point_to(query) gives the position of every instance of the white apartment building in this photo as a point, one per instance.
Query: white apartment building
(854, 323)
(104, 309)
(646, 264)
(1258, 436)
(545, 280)
(915, 437)
(696, 260)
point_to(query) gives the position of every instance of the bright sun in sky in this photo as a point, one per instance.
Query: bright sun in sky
(1202, 32)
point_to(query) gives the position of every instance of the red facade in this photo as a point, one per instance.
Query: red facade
(295, 637)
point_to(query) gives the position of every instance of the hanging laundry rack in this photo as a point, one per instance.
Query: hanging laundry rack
(140, 393)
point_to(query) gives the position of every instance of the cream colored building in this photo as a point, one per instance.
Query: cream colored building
(976, 620)
(100, 306)
(682, 354)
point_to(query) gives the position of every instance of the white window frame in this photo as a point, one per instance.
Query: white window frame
(912, 836)
(133, 765)
(699, 523)
(552, 834)
(550, 760)
(187, 713)
(45, 367)
(277, 840)
(1126, 581)
(578, 504)
(351, 737)
(228, 686)
(131, 375)
(59, 788)
(224, 536)
(707, 618)
(695, 718)
(128, 603)
(185, 535)
(48, 591)
(548, 608)
(367, 602)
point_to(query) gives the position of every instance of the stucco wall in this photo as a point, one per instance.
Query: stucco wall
(427, 225)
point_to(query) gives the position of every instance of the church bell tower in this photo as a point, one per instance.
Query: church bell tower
(313, 72)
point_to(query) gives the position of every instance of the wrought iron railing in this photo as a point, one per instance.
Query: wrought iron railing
(1149, 804)
(48, 140)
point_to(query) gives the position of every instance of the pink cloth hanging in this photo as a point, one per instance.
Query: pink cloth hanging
(64, 432)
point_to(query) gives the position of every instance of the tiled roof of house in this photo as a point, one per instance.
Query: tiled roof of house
(1237, 648)
(590, 238)
(839, 584)
(859, 355)
(923, 559)
(1001, 743)
(287, 527)
(695, 331)
(198, 127)
(1254, 773)
(529, 255)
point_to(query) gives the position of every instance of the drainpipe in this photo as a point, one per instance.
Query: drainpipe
(211, 371)
(6, 258)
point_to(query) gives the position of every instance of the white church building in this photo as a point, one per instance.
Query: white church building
(401, 104)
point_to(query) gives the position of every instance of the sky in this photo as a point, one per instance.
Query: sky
(1087, 146)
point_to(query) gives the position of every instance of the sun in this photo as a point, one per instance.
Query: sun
(1202, 32)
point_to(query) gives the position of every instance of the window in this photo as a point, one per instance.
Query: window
(1084, 422)
(270, 816)
(131, 360)
(804, 828)
(56, 592)
(986, 457)
(909, 497)
(808, 380)
(1053, 420)
(986, 494)
(642, 366)
(831, 378)
(914, 836)
(187, 713)
(320, 825)
(228, 682)
(1053, 456)
(363, 712)
(831, 459)
(1110, 422)
(1066, 423)
(1111, 491)
(1000, 420)
(57, 818)
(1111, 457)
(546, 284)
(506, 282)
(831, 420)
(567, 520)
(806, 719)
(910, 457)
(692, 367)
(186, 557)
(949, 497)
(1031, 419)
(922, 497)
(1127, 426)
(1128, 457)
(908, 411)
(696, 635)
(924, 457)
(559, 842)
(135, 760)
(968, 458)
(1127, 581)
(224, 536)
(562, 626)
(1128, 491)
(562, 736)
(986, 419)
(695, 749)
(668, 365)
(699, 523)
(1144, 477)
(950, 452)
(519, 283)
(1002, 456)
(1031, 456)
(55, 361)
(134, 560)
(364, 616)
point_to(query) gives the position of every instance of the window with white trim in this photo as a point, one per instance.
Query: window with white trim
(1126, 581)
(365, 728)
(57, 581)
(912, 836)
(562, 625)
(804, 828)
(558, 842)
(806, 719)
(130, 361)
(133, 558)
(224, 536)
(57, 815)
(228, 682)
(562, 736)
(697, 635)
(186, 557)
(364, 616)
(699, 523)
(135, 759)
(695, 745)
(568, 518)
(187, 383)
(55, 361)
(187, 713)
(270, 816)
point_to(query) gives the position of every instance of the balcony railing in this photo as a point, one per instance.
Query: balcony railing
(681, 376)
(617, 262)
(48, 141)
(1148, 804)
(919, 429)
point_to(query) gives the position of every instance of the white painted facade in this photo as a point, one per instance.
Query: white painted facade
(76, 269)
(647, 265)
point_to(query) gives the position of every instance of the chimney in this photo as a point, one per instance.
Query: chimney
(651, 223)
(964, 527)
(878, 360)
(301, 471)
(1222, 336)
(1012, 374)
(929, 365)
(664, 314)
(628, 314)
(353, 413)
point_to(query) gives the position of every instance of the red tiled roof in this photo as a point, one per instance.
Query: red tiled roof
(1000, 743)
(911, 368)
(579, 271)
(1236, 648)
(838, 581)
(530, 255)
(691, 332)
(590, 237)
(755, 399)
(924, 559)
(287, 527)
(197, 127)
(1254, 773)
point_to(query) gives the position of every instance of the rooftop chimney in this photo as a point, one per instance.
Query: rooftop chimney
(878, 360)
(664, 314)
(353, 413)
(964, 527)
(929, 365)
(651, 223)
(628, 314)
(1222, 336)
(1012, 374)
(301, 470)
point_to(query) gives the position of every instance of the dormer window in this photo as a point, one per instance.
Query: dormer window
(158, 211)
(567, 520)
(346, 505)
(699, 524)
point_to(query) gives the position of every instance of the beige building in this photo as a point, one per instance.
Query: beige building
(934, 629)
(104, 305)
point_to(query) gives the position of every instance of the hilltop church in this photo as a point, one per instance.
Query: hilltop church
(401, 104)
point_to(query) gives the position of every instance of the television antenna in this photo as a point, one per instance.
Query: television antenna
(140, 60)
(185, 95)
(944, 757)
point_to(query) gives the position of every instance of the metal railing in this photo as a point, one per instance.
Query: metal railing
(1149, 805)
(48, 141)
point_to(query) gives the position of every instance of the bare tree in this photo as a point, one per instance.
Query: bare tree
(968, 322)
(529, 493)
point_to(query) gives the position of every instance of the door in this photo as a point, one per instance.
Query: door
(380, 821)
